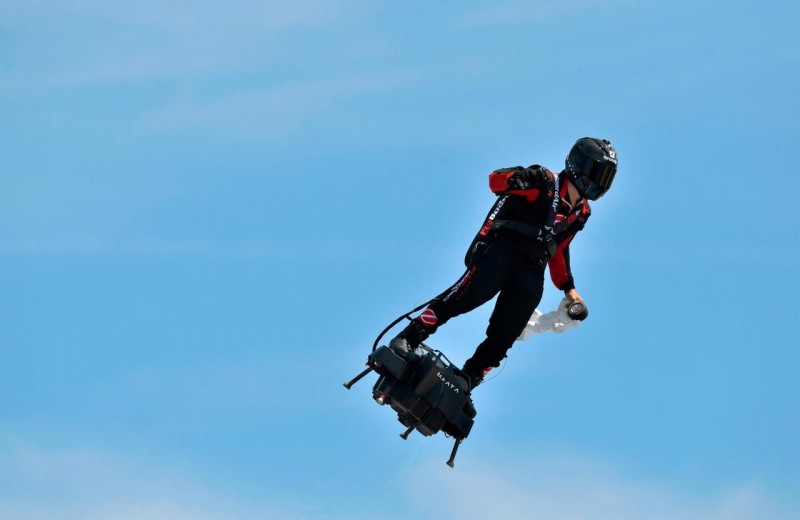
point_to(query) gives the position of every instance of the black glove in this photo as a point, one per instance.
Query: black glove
(527, 178)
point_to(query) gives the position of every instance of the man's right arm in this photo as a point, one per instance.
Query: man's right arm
(525, 182)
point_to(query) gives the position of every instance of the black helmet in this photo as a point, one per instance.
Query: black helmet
(591, 166)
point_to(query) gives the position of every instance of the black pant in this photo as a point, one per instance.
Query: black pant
(503, 268)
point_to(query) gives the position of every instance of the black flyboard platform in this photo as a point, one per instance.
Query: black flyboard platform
(428, 393)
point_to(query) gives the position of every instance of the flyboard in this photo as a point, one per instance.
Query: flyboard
(427, 391)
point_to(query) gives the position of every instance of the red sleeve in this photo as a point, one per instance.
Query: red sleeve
(560, 271)
(498, 180)
(535, 178)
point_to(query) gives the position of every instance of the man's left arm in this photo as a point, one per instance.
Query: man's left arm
(560, 271)
(561, 274)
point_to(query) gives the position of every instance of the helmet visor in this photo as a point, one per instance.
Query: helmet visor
(593, 178)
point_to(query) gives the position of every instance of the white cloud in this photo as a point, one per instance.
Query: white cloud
(187, 16)
(570, 489)
(85, 484)
(72, 484)
(38, 484)
(236, 386)
(344, 250)
(273, 111)
(522, 12)
(109, 42)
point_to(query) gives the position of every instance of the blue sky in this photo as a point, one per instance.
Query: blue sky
(209, 210)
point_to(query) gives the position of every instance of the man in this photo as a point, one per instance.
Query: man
(536, 216)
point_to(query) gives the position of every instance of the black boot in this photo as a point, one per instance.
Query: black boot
(409, 339)
(474, 377)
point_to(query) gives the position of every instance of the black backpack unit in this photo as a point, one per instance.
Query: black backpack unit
(428, 393)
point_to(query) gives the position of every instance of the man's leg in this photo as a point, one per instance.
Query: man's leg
(482, 281)
(515, 305)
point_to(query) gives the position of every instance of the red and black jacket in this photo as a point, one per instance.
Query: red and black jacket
(528, 211)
